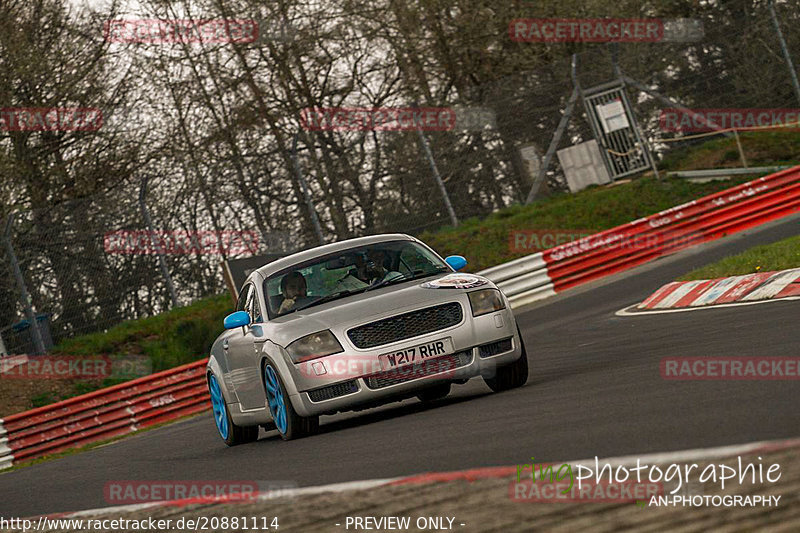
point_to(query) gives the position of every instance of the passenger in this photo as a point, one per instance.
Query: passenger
(293, 287)
(370, 270)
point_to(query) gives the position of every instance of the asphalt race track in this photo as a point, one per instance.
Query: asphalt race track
(594, 389)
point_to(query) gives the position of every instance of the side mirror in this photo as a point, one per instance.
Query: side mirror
(456, 262)
(236, 320)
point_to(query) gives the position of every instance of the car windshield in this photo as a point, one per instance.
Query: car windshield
(348, 272)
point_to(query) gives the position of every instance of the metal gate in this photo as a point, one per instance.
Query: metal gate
(615, 129)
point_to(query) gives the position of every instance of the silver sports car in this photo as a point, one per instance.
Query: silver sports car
(352, 325)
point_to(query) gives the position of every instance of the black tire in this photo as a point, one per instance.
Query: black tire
(296, 426)
(241, 434)
(436, 392)
(234, 435)
(510, 376)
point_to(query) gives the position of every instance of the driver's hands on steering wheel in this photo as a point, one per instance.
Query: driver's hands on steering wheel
(286, 305)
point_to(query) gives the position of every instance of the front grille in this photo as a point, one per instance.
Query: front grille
(405, 326)
(333, 391)
(426, 367)
(494, 348)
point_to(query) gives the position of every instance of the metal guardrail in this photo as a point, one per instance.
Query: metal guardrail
(524, 277)
(104, 414)
(720, 172)
(546, 273)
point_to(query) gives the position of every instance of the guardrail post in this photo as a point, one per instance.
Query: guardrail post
(786, 56)
(548, 156)
(27, 302)
(162, 262)
(741, 151)
(562, 126)
(306, 195)
(436, 176)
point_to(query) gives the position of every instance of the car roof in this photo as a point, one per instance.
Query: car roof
(306, 255)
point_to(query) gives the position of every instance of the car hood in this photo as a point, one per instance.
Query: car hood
(340, 315)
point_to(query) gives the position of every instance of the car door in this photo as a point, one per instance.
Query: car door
(241, 352)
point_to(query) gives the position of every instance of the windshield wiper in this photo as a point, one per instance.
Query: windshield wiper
(330, 297)
(385, 282)
(417, 274)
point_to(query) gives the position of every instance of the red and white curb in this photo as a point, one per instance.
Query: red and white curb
(699, 454)
(734, 290)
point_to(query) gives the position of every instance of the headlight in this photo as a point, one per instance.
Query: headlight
(485, 301)
(312, 346)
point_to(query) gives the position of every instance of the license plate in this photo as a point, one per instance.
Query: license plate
(417, 353)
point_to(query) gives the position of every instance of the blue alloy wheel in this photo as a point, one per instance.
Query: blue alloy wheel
(275, 399)
(218, 406)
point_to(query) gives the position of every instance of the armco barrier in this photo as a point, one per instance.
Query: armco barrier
(543, 274)
(104, 414)
(182, 391)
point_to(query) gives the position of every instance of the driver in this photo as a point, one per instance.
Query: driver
(293, 287)
(368, 271)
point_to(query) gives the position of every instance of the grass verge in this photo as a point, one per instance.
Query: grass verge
(170, 339)
(781, 255)
(761, 148)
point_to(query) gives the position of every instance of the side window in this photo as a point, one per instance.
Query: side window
(255, 309)
(272, 294)
(243, 297)
(248, 301)
(314, 282)
(248, 304)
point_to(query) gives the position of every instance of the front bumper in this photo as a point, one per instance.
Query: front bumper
(480, 345)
